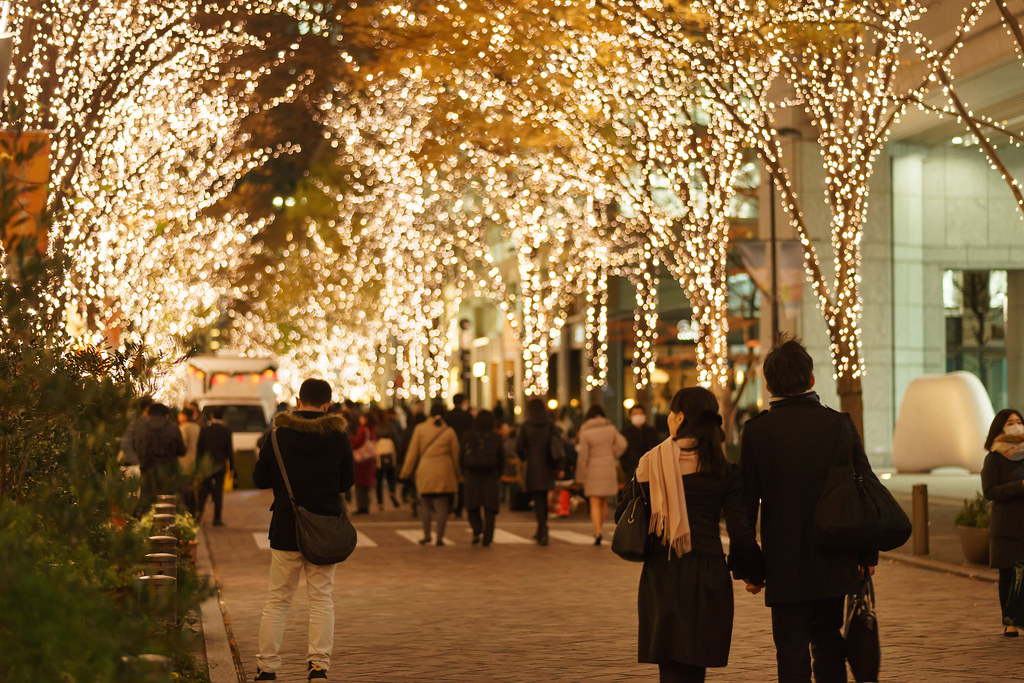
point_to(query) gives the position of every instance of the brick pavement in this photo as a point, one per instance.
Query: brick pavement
(519, 612)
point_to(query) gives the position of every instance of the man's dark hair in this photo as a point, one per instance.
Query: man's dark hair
(595, 410)
(484, 422)
(457, 400)
(788, 368)
(315, 392)
(217, 412)
(638, 406)
(145, 402)
(159, 410)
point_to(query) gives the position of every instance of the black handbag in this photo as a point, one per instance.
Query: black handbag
(863, 650)
(632, 537)
(855, 512)
(322, 539)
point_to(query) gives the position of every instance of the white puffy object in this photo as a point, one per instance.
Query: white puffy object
(943, 422)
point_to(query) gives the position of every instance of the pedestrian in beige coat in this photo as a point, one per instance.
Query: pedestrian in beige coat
(597, 454)
(433, 456)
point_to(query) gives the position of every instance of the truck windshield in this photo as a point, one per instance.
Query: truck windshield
(245, 418)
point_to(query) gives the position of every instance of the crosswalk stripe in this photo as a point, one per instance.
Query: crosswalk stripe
(507, 538)
(414, 536)
(573, 537)
(262, 542)
(364, 541)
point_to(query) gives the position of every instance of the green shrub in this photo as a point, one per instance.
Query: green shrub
(975, 512)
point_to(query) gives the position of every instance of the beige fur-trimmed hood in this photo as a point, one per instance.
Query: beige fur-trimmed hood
(318, 425)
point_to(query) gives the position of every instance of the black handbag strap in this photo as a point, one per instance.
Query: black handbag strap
(280, 464)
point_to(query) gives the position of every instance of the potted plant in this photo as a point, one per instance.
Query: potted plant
(972, 527)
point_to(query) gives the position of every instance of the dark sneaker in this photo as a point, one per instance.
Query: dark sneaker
(265, 675)
(317, 673)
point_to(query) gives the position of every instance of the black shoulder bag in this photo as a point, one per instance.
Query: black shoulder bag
(857, 513)
(632, 535)
(322, 539)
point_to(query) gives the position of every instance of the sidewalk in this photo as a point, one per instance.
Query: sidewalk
(519, 612)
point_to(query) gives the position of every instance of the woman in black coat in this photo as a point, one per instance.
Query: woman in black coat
(536, 447)
(685, 603)
(1002, 480)
(482, 459)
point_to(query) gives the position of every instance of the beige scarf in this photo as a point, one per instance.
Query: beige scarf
(664, 467)
(1009, 446)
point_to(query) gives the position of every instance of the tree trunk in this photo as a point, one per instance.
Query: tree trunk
(851, 400)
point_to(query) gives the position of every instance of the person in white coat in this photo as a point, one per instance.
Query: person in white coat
(598, 451)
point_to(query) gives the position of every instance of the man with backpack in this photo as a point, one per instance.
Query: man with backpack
(159, 444)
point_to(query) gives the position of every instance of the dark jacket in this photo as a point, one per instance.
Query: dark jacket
(533, 446)
(460, 420)
(785, 455)
(215, 445)
(157, 441)
(1002, 480)
(638, 441)
(482, 484)
(318, 458)
(414, 420)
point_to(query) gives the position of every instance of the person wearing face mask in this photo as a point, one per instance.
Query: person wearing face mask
(685, 602)
(1002, 480)
(640, 438)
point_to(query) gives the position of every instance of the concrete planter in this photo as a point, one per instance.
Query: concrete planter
(974, 542)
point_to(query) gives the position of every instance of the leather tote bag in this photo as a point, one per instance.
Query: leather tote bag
(863, 649)
(322, 539)
(855, 512)
(632, 537)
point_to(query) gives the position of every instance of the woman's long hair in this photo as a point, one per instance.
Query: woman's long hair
(702, 422)
(998, 422)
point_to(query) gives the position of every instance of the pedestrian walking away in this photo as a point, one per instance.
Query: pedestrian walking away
(215, 455)
(387, 455)
(315, 449)
(364, 446)
(1002, 481)
(159, 446)
(539, 446)
(433, 457)
(460, 419)
(685, 602)
(785, 455)
(482, 458)
(597, 455)
(128, 457)
(188, 423)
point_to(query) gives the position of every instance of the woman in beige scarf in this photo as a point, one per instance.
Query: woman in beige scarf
(686, 597)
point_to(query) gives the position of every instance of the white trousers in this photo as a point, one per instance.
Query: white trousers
(285, 566)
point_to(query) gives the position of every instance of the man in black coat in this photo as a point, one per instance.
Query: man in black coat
(214, 453)
(786, 454)
(317, 457)
(159, 444)
(640, 438)
(461, 420)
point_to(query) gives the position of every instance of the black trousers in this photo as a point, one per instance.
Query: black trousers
(803, 630)
(212, 485)
(540, 509)
(387, 472)
(1005, 581)
(483, 526)
(677, 672)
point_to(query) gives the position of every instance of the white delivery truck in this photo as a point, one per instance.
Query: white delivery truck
(246, 388)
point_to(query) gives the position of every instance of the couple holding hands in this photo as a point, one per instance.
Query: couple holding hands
(685, 597)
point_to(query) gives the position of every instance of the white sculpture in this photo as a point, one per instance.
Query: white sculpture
(943, 421)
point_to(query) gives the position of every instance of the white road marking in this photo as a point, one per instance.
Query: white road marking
(573, 537)
(262, 542)
(507, 538)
